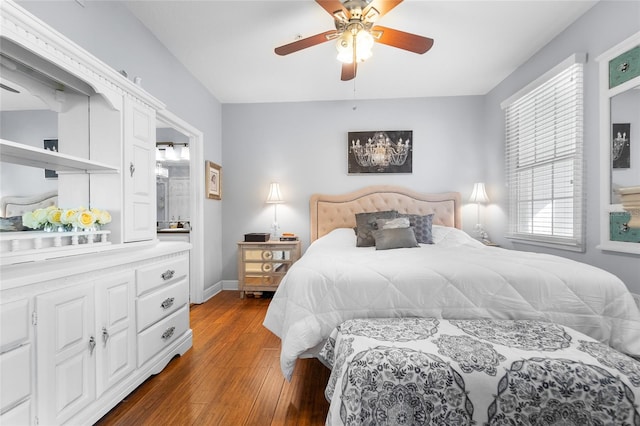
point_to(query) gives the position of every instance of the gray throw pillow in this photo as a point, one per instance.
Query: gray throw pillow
(422, 226)
(395, 238)
(366, 223)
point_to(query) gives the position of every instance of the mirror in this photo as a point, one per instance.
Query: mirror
(172, 179)
(625, 128)
(40, 106)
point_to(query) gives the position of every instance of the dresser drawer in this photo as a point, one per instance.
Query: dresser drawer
(15, 376)
(14, 324)
(158, 336)
(152, 307)
(20, 415)
(161, 273)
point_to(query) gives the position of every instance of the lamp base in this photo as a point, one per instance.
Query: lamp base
(275, 232)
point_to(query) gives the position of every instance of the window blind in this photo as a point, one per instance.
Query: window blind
(544, 160)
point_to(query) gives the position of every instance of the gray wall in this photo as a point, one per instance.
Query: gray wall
(29, 128)
(304, 147)
(602, 27)
(111, 33)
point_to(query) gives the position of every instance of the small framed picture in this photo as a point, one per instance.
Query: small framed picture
(51, 145)
(213, 173)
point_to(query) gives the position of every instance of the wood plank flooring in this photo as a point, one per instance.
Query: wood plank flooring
(231, 376)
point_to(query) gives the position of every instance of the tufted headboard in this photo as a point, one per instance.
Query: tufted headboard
(329, 212)
(15, 206)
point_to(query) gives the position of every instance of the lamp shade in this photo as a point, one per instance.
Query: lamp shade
(478, 195)
(274, 194)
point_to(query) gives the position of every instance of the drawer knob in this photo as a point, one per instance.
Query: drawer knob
(167, 303)
(105, 336)
(168, 274)
(168, 333)
(92, 345)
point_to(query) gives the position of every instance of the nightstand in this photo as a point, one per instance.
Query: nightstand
(261, 265)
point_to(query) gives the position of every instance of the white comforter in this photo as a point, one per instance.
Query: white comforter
(455, 278)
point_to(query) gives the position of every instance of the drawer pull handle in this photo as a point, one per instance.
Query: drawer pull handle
(168, 333)
(105, 336)
(92, 345)
(168, 274)
(167, 303)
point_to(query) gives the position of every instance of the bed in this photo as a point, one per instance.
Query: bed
(456, 277)
(12, 208)
(479, 371)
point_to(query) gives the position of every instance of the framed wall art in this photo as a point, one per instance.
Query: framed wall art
(621, 146)
(50, 145)
(213, 173)
(380, 151)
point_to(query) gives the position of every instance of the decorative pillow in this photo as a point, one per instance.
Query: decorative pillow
(421, 226)
(399, 222)
(366, 223)
(13, 223)
(395, 238)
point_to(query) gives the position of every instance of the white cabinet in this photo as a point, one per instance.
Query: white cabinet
(139, 177)
(85, 345)
(115, 324)
(65, 352)
(79, 334)
(15, 362)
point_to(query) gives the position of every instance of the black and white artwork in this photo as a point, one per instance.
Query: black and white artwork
(380, 151)
(621, 146)
(51, 145)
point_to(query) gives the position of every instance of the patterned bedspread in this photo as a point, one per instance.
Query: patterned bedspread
(428, 371)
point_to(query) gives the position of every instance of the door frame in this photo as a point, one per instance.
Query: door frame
(196, 207)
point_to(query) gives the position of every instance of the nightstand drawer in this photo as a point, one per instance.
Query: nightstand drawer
(157, 305)
(151, 277)
(157, 337)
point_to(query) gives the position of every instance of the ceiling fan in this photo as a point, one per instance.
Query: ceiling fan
(356, 33)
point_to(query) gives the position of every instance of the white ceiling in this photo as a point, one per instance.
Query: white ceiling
(228, 46)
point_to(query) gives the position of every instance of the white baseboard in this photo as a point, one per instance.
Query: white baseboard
(230, 284)
(209, 292)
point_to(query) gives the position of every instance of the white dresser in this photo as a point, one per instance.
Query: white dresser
(80, 333)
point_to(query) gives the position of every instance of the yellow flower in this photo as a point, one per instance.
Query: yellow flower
(85, 219)
(102, 216)
(68, 217)
(54, 215)
(40, 216)
(29, 220)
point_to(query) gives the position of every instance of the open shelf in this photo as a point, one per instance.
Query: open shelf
(17, 153)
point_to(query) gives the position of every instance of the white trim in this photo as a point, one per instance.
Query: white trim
(576, 58)
(605, 152)
(196, 208)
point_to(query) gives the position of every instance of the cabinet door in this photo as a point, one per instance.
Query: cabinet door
(139, 172)
(115, 323)
(65, 352)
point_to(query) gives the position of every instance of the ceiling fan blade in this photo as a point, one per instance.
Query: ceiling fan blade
(349, 71)
(400, 39)
(382, 6)
(334, 7)
(305, 42)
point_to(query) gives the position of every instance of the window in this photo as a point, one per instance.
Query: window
(544, 161)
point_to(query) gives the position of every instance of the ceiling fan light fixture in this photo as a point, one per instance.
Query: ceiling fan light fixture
(362, 41)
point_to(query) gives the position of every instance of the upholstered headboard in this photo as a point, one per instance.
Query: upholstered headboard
(329, 212)
(16, 206)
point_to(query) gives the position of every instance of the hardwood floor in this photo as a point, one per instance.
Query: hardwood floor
(231, 376)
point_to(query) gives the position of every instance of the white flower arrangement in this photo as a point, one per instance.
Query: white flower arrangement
(55, 218)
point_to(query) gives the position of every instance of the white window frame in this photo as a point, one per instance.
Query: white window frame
(544, 160)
